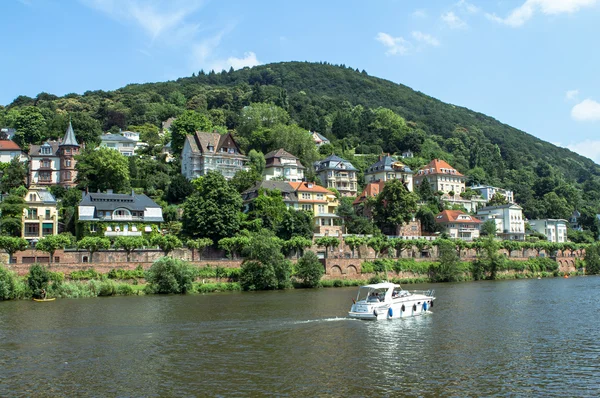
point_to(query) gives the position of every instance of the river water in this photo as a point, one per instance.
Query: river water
(506, 338)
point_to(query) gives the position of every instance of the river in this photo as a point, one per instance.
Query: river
(505, 338)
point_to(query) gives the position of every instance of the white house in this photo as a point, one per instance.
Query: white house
(283, 165)
(459, 225)
(441, 177)
(203, 152)
(10, 150)
(126, 146)
(554, 229)
(508, 219)
(389, 168)
(488, 191)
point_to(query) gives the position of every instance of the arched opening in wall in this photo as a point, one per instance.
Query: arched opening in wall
(85, 259)
(351, 270)
(335, 270)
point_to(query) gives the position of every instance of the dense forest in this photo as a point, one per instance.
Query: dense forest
(273, 106)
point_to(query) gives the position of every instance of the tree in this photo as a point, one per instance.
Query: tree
(234, 245)
(592, 259)
(37, 280)
(166, 243)
(51, 243)
(14, 175)
(296, 245)
(129, 244)
(268, 207)
(309, 269)
(94, 244)
(187, 123)
(11, 211)
(102, 169)
(179, 189)
(198, 244)
(448, 267)
(30, 124)
(379, 244)
(354, 242)
(213, 210)
(11, 245)
(327, 242)
(488, 228)
(9, 284)
(394, 206)
(170, 276)
(295, 223)
(497, 200)
(264, 267)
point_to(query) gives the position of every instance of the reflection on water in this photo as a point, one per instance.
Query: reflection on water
(527, 337)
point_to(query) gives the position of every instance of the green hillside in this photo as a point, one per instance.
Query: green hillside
(361, 114)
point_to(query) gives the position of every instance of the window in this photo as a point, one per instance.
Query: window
(320, 196)
(68, 163)
(46, 150)
(48, 214)
(231, 150)
(93, 228)
(46, 163)
(307, 207)
(32, 197)
(305, 196)
(321, 209)
(32, 214)
(211, 148)
(47, 229)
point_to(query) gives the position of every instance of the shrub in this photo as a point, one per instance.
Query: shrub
(374, 279)
(8, 281)
(84, 274)
(124, 289)
(38, 279)
(366, 267)
(309, 269)
(338, 283)
(168, 275)
(107, 288)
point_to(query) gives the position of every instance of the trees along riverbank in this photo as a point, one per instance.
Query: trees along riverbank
(263, 271)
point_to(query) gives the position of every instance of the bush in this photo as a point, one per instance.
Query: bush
(75, 289)
(257, 276)
(84, 274)
(309, 269)
(126, 273)
(8, 284)
(107, 288)
(38, 279)
(125, 289)
(168, 275)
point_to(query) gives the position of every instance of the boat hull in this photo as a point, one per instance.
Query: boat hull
(44, 300)
(399, 308)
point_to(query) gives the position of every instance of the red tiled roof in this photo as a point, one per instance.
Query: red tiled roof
(439, 167)
(372, 189)
(452, 216)
(304, 187)
(7, 145)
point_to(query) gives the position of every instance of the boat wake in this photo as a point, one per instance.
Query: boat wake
(336, 319)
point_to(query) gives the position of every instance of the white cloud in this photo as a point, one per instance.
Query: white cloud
(587, 110)
(526, 11)
(470, 8)
(420, 13)
(425, 38)
(249, 59)
(453, 21)
(571, 94)
(588, 148)
(394, 45)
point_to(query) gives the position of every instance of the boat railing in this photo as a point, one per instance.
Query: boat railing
(429, 293)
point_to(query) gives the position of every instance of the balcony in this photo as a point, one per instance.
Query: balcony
(123, 233)
(122, 218)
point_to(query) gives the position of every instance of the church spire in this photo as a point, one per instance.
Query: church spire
(69, 138)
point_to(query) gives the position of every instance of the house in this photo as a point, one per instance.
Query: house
(203, 152)
(574, 221)
(112, 214)
(321, 202)
(555, 230)
(508, 218)
(7, 133)
(10, 150)
(335, 172)
(283, 165)
(407, 154)
(459, 225)
(287, 192)
(319, 139)
(125, 145)
(487, 192)
(441, 177)
(389, 168)
(166, 125)
(53, 163)
(40, 217)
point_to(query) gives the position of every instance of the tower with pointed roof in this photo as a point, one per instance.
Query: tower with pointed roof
(67, 150)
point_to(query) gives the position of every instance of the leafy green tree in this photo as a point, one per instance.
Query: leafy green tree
(51, 243)
(394, 206)
(11, 211)
(199, 245)
(187, 123)
(179, 189)
(268, 207)
(257, 115)
(234, 245)
(11, 245)
(309, 269)
(265, 267)
(30, 125)
(94, 244)
(497, 200)
(295, 223)
(37, 280)
(488, 228)
(14, 175)
(379, 244)
(327, 242)
(256, 161)
(213, 210)
(354, 242)
(448, 267)
(9, 284)
(129, 244)
(166, 243)
(101, 169)
(296, 245)
(592, 259)
(170, 276)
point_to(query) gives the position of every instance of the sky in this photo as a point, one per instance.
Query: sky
(532, 64)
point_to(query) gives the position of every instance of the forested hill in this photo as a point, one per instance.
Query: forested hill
(361, 114)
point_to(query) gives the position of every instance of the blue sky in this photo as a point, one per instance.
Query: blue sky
(533, 64)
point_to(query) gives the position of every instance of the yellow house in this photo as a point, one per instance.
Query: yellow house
(321, 202)
(40, 217)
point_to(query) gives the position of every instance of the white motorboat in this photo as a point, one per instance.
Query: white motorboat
(389, 301)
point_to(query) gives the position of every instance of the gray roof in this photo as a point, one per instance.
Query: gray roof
(288, 192)
(334, 162)
(116, 138)
(322, 137)
(386, 163)
(35, 150)
(69, 138)
(113, 201)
